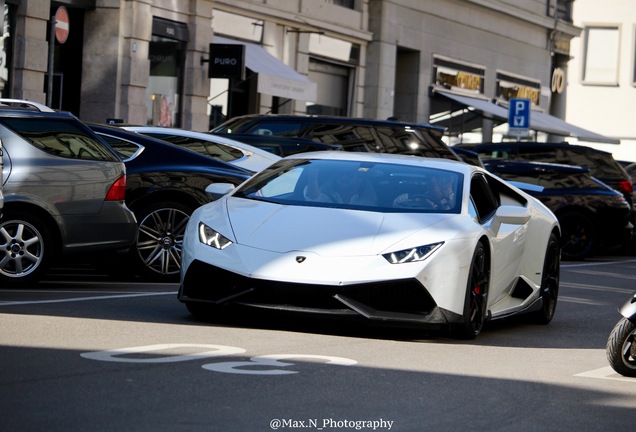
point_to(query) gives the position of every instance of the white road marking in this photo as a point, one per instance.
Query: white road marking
(606, 373)
(76, 299)
(119, 355)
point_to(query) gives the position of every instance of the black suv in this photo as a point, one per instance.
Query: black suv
(593, 216)
(602, 165)
(353, 134)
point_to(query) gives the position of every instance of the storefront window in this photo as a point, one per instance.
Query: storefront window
(167, 58)
(335, 78)
(510, 87)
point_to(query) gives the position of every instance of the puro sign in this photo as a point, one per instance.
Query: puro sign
(227, 61)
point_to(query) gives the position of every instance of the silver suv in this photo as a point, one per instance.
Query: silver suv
(64, 192)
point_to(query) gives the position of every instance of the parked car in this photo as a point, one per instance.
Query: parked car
(602, 165)
(223, 149)
(64, 192)
(353, 134)
(165, 184)
(392, 238)
(593, 216)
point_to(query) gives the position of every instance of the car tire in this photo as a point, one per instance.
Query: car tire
(621, 348)
(27, 247)
(475, 301)
(578, 235)
(549, 282)
(160, 239)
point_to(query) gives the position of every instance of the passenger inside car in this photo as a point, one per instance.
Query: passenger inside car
(351, 185)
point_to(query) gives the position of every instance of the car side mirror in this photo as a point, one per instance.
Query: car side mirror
(513, 215)
(217, 190)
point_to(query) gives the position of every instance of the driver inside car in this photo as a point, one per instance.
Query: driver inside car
(439, 195)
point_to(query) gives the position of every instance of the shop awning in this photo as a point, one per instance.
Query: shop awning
(539, 121)
(570, 129)
(275, 78)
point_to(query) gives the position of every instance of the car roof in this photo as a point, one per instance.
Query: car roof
(204, 136)
(536, 166)
(326, 118)
(535, 144)
(166, 147)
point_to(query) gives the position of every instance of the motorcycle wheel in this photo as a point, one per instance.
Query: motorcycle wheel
(621, 348)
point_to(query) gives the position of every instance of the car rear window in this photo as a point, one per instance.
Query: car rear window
(60, 137)
(284, 129)
(382, 139)
(553, 179)
(125, 149)
(207, 148)
(601, 165)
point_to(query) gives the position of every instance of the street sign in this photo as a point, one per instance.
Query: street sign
(61, 24)
(519, 117)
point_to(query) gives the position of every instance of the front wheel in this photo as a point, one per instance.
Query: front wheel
(475, 302)
(621, 348)
(549, 282)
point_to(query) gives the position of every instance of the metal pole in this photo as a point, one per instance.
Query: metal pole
(49, 90)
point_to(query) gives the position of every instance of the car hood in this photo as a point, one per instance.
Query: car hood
(333, 232)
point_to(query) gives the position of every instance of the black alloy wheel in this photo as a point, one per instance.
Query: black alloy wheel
(475, 303)
(160, 238)
(549, 282)
(578, 236)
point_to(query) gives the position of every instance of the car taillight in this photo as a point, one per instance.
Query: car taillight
(626, 186)
(117, 191)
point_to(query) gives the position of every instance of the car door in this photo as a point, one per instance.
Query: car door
(507, 241)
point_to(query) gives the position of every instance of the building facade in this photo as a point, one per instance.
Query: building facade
(455, 63)
(602, 73)
(458, 63)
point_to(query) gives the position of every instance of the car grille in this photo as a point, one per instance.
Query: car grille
(208, 283)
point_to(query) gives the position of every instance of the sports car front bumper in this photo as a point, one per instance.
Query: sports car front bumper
(402, 301)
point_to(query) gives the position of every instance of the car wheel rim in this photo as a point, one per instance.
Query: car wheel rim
(629, 351)
(478, 292)
(551, 280)
(577, 239)
(160, 240)
(22, 249)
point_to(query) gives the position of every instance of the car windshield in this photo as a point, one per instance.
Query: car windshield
(369, 186)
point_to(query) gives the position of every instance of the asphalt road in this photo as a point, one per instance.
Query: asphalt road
(98, 355)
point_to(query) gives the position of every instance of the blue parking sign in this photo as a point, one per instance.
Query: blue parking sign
(519, 117)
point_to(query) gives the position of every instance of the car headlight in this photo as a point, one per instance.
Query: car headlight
(419, 253)
(212, 238)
